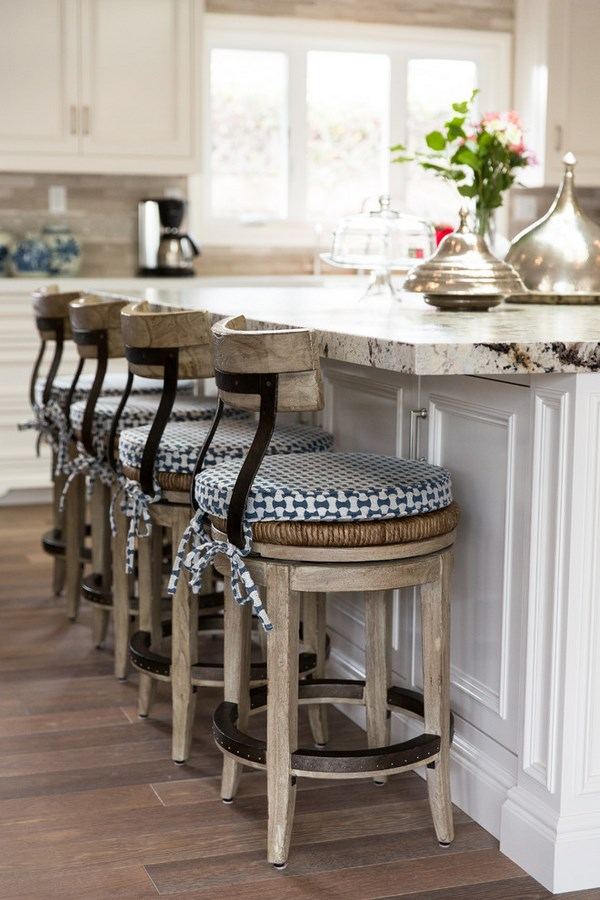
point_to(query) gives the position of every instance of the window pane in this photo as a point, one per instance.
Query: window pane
(433, 86)
(348, 112)
(248, 116)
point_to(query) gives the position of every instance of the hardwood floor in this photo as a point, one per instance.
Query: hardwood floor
(92, 806)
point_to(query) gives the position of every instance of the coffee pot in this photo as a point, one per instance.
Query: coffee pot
(164, 250)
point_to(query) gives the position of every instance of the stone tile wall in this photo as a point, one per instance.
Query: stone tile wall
(101, 211)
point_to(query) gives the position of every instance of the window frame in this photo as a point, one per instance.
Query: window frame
(490, 50)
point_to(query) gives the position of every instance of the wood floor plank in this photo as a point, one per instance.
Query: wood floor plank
(311, 859)
(372, 881)
(93, 883)
(46, 723)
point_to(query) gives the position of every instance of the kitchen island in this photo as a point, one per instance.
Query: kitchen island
(509, 402)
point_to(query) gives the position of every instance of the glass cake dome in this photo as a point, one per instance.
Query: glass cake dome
(381, 240)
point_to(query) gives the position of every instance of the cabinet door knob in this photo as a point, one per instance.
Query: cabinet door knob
(413, 438)
(73, 119)
(85, 120)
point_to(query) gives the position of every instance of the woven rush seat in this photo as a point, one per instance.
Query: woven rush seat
(370, 533)
(182, 442)
(339, 500)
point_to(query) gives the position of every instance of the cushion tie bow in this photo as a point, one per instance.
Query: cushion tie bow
(197, 550)
(135, 506)
(91, 466)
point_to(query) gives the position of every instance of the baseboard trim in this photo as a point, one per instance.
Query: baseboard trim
(26, 496)
(561, 852)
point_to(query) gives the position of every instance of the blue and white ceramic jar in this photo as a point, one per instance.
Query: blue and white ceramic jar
(7, 245)
(31, 257)
(65, 252)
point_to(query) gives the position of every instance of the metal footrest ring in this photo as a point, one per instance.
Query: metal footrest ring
(203, 673)
(53, 543)
(419, 751)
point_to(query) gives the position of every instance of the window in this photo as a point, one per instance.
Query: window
(248, 128)
(299, 117)
(347, 114)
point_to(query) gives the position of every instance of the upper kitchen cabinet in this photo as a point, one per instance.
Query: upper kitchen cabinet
(38, 74)
(557, 85)
(115, 85)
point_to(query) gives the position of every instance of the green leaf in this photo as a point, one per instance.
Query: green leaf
(467, 190)
(461, 107)
(455, 130)
(403, 159)
(434, 167)
(435, 140)
(397, 147)
(466, 157)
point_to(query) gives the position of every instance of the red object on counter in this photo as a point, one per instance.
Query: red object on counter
(441, 231)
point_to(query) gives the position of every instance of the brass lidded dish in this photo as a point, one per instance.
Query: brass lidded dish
(463, 273)
(558, 257)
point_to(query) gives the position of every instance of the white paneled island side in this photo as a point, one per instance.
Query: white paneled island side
(509, 402)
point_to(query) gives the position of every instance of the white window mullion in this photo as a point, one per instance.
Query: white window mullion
(297, 131)
(398, 113)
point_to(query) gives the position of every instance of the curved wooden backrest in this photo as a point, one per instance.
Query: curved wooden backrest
(153, 326)
(51, 311)
(289, 353)
(98, 312)
(49, 304)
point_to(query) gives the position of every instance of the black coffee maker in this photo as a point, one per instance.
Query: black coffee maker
(163, 249)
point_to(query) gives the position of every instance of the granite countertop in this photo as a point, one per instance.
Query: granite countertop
(411, 337)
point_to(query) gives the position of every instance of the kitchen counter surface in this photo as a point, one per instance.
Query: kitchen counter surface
(405, 335)
(409, 336)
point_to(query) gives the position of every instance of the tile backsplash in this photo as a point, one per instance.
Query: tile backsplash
(101, 211)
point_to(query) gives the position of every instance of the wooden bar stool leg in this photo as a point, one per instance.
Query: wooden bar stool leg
(149, 599)
(282, 710)
(58, 572)
(184, 652)
(120, 593)
(237, 625)
(314, 632)
(101, 556)
(378, 613)
(435, 619)
(73, 531)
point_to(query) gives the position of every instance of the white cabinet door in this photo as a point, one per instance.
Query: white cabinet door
(557, 85)
(574, 89)
(137, 71)
(480, 430)
(38, 77)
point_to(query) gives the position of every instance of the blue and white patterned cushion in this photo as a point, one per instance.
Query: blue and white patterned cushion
(113, 386)
(330, 487)
(51, 416)
(182, 441)
(139, 410)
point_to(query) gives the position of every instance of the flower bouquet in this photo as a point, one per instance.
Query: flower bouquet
(481, 158)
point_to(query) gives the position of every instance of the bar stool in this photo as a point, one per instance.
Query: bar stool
(96, 327)
(331, 522)
(49, 394)
(159, 462)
